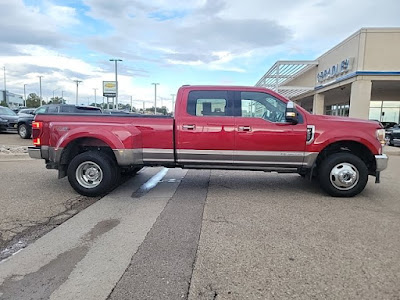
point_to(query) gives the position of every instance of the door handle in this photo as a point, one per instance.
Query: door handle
(189, 127)
(244, 128)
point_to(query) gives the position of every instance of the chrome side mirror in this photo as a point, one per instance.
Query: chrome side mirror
(291, 114)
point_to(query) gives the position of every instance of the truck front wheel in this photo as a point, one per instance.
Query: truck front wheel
(92, 173)
(343, 175)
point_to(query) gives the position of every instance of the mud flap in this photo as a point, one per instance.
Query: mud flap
(378, 177)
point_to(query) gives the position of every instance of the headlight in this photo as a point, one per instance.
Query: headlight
(380, 135)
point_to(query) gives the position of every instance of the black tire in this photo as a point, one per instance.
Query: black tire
(98, 163)
(24, 131)
(348, 165)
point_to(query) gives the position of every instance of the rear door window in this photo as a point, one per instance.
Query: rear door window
(53, 109)
(40, 110)
(209, 103)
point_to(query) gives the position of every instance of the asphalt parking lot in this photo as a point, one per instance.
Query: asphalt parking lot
(13, 139)
(202, 235)
(32, 199)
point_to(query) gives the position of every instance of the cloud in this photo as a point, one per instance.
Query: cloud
(191, 40)
(63, 15)
(33, 25)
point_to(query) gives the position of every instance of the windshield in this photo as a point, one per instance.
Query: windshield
(6, 111)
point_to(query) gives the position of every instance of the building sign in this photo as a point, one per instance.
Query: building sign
(109, 88)
(343, 67)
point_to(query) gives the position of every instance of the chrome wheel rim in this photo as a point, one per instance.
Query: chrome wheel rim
(89, 174)
(344, 176)
(22, 131)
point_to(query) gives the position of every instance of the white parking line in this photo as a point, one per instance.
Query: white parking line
(86, 256)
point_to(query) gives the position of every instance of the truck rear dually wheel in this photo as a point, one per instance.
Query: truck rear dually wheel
(92, 173)
(343, 175)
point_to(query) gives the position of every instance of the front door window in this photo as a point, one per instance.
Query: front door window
(262, 105)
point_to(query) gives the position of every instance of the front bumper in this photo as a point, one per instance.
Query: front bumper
(35, 152)
(5, 126)
(381, 162)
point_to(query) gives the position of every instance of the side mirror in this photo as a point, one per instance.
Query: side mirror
(291, 114)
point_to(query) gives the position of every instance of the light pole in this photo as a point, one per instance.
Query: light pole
(131, 104)
(40, 89)
(173, 102)
(62, 97)
(155, 97)
(77, 84)
(5, 86)
(25, 94)
(116, 60)
(54, 91)
(95, 97)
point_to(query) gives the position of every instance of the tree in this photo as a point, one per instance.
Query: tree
(160, 110)
(56, 100)
(3, 103)
(33, 101)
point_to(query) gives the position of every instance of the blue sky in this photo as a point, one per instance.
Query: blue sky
(170, 42)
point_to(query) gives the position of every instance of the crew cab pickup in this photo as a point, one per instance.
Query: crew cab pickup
(214, 127)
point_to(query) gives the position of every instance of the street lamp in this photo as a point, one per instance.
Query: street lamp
(173, 102)
(131, 103)
(5, 86)
(116, 60)
(155, 97)
(95, 97)
(77, 84)
(40, 89)
(54, 91)
(25, 94)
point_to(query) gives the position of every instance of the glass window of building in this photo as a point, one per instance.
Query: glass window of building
(385, 111)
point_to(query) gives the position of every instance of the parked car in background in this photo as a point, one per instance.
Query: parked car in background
(26, 111)
(393, 135)
(387, 125)
(9, 119)
(115, 112)
(3, 124)
(25, 120)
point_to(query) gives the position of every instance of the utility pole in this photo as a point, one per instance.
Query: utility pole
(40, 89)
(131, 104)
(54, 91)
(155, 97)
(116, 60)
(62, 97)
(5, 86)
(25, 94)
(173, 102)
(95, 97)
(77, 84)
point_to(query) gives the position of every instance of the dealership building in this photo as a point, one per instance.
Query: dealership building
(360, 77)
(13, 100)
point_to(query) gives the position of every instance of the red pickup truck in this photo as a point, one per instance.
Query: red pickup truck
(214, 127)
